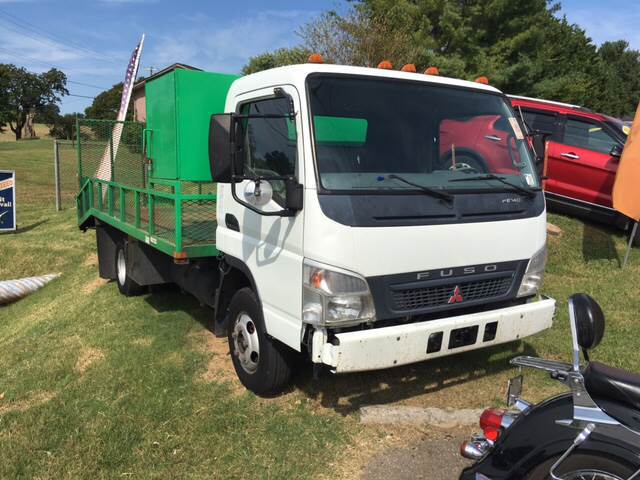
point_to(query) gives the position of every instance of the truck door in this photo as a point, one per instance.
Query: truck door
(585, 169)
(547, 122)
(270, 246)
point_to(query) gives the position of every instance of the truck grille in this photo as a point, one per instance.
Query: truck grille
(426, 297)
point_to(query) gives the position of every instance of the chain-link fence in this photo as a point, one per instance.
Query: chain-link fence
(65, 165)
(102, 156)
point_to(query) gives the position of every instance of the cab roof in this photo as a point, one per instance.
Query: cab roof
(297, 74)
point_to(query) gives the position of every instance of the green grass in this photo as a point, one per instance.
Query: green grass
(98, 385)
(141, 407)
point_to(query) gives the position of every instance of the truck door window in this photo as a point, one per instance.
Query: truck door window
(587, 135)
(270, 144)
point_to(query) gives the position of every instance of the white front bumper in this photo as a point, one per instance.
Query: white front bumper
(399, 345)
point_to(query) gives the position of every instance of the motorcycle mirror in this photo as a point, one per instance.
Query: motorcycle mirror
(587, 325)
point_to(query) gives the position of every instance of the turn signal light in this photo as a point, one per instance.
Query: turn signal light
(409, 67)
(484, 80)
(315, 58)
(385, 65)
(432, 71)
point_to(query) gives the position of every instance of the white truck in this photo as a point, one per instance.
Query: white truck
(366, 218)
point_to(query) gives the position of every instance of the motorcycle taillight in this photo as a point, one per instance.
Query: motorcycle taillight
(491, 423)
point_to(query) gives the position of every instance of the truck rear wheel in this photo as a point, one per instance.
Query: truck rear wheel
(262, 365)
(126, 285)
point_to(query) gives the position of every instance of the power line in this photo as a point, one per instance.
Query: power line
(47, 65)
(88, 85)
(81, 96)
(30, 27)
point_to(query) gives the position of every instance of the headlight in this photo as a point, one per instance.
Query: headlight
(532, 279)
(332, 296)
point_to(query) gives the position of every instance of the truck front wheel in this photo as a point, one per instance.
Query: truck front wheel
(126, 284)
(262, 365)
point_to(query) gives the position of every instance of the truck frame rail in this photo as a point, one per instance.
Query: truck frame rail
(174, 216)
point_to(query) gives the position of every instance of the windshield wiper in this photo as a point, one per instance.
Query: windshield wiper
(429, 191)
(490, 176)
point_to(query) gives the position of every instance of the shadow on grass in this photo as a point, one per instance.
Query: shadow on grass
(31, 227)
(347, 393)
(598, 243)
(169, 298)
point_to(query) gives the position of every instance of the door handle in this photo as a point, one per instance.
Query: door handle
(493, 138)
(570, 155)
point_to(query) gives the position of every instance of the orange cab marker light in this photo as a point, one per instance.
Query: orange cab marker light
(315, 58)
(484, 80)
(409, 67)
(385, 65)
(432, 71)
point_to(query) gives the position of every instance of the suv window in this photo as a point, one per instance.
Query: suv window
(543, 122)
(590, 136)
(270, 143)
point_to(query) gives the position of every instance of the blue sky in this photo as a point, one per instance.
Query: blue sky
(91, 40)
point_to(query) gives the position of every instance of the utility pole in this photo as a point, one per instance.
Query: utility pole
(151, 69)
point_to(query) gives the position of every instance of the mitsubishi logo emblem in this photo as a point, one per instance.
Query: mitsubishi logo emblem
(457, 296)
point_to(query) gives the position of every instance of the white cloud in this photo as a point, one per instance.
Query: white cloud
(228, 47)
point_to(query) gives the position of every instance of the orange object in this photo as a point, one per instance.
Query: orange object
(432, 71)
(385, 65)
(626, 194)
(315, 58)
(484, 80)
(409, 67)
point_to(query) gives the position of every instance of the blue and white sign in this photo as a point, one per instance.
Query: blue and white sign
(7, 201)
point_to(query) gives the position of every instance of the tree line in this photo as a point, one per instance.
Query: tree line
(524, 47)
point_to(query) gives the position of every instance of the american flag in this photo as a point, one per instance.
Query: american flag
(104, 169)
(129, 78)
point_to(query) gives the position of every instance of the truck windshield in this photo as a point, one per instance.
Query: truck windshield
(368, 131)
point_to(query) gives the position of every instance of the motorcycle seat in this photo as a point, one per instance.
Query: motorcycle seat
(613, 383)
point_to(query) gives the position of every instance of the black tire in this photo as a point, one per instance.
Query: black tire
(126, 285)
(583, 462)
(265, 370)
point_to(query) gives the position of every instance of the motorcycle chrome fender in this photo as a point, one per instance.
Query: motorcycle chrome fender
(536, 436)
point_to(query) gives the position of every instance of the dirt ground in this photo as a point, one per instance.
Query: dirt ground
(433, 455)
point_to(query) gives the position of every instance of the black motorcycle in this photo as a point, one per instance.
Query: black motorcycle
(591, 433)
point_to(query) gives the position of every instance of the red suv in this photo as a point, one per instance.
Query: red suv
(582, 157)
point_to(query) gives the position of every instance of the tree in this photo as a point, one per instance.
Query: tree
(63, 127)
(277, 58)
(26, 92)
(522, 46)
(619, 78)
(358, 38)
(107, 104)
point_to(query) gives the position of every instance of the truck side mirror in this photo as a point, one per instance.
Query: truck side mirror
(221, 147)
(616, 151)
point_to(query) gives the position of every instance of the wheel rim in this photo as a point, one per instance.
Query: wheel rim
(246, 343)
(121, 265)
(590, 474)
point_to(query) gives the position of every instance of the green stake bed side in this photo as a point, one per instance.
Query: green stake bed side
(153, 182)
